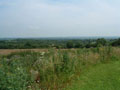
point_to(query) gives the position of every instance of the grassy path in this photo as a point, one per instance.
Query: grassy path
(101, 77)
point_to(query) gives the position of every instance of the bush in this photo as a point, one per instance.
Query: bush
(13, 76)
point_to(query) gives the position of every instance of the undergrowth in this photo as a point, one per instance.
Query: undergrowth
(51, 70)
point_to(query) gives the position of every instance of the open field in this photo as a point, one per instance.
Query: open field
(100, 77)
(9, 51)
(57, 69)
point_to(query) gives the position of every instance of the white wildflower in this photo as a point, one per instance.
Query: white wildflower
(43, 53)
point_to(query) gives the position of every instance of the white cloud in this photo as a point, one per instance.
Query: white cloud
(48, 19)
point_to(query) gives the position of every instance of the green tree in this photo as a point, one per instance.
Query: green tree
(101, 41)
(28, 45)
(70, 44)
(116, 42)
(79, 45)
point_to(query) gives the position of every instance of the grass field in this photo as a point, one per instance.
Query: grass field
(100, 77)
(59, 69)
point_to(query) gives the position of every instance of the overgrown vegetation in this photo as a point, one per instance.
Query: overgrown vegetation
(50, 70)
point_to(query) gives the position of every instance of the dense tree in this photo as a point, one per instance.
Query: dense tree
(116, 42)
(70, 44)
(91, 44)
(101, 41)
(58, 43)
(79, 45)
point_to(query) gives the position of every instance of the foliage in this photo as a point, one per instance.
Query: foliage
(50, 70)
(79, 45)
(56, 43)
(70, 44)
(101, 41)
(13, 76)
(116, 43)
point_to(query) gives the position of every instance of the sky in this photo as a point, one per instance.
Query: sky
(59, 18)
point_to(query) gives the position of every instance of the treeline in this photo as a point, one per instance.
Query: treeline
(33, 43)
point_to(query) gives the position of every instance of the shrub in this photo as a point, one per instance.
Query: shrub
(13, 77)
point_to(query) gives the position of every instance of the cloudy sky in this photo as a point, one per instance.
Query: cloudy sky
(59, 18)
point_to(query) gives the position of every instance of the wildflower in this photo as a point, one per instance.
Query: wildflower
(43, 53)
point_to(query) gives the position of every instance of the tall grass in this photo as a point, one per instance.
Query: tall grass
(51, 70)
